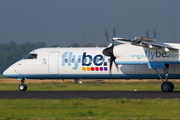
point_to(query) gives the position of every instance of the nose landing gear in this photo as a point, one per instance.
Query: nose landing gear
(22, 86)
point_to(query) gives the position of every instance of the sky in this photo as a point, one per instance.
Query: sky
(64, 22)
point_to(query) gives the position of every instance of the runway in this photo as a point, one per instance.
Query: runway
(88, 94)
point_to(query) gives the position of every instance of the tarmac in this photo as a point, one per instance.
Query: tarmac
(88, 94)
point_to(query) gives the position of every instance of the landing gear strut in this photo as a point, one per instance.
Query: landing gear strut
(22, 86)
(76, 81)
(166, 86)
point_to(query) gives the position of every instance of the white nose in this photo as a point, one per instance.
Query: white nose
(9, 72)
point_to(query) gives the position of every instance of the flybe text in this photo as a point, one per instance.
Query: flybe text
(155, 54)
(68, 58)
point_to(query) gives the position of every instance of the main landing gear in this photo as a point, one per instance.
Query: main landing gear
(22, 86)
(166, 86)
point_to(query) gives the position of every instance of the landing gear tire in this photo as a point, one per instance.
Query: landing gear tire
(167, 87)
(22, 87)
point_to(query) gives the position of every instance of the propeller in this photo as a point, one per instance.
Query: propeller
(154, 34)
(109, 50)
(107, 36)
(114, 34)
(147, 34)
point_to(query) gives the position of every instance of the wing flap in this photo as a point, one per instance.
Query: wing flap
(159, 45)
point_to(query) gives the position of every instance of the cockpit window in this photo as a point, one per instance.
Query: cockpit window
(31, 56)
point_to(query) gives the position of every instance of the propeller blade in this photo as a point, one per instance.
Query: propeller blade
(110, 66)
(109, 52)
(116, 65)
(114, 32)
(113, 58)
(147, 33)
(154, 34)
(113, 44)
(107, 36)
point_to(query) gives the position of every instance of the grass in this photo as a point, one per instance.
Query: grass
(21, 109)
(85, 87)
(81, 108)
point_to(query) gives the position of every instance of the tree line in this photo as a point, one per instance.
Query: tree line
(12, 52)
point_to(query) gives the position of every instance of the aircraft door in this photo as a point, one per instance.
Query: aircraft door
(53, 63)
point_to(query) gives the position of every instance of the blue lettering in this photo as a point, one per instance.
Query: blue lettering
(152, 54)
(76, 63)
(69, 59)
(63, 58)
(99, 59)
(149, 53)
(83, 59)
(146, 52)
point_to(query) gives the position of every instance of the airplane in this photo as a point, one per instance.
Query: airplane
(138, 58)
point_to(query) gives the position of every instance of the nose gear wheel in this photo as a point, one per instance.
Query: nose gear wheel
(22, 87)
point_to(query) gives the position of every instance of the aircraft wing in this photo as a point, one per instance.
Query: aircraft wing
(145, 42)
(148, 43)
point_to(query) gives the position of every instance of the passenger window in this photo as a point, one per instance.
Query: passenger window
(109, 60)
(97, 60)
(72, 60)
(79, 60)
(103, 60)
(66, 60)
(31, 56)
(85, 60)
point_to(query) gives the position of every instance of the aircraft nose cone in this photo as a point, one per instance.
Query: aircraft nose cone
(5, 73)
(8, 72)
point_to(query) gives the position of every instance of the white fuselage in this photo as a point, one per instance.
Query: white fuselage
(90, 63)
